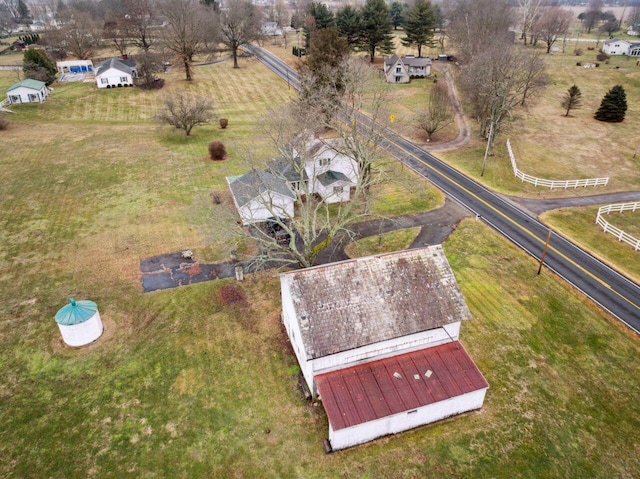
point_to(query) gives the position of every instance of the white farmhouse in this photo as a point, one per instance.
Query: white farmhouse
(260, 195)
(377, 339)
(322, 171)
(400, 70)
(116, 72)
(616, 46)
(27, 91)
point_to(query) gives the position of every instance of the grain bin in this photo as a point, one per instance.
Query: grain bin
(79, 322)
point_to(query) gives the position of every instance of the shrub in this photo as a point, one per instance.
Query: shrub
(223, 123)
(217, 151)
(602, 57)
(231, 295)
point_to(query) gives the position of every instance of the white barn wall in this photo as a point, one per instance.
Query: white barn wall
(295, 335)
(404, 421)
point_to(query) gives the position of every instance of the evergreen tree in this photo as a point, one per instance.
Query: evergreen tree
(38, 66)
(397, 17)
(375, 33)
(420, 26)
(348, 23)
(572, 99)
(613, 106)
(23, 10)
(318, 17)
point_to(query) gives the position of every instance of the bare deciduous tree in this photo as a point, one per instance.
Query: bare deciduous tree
(553, 23)
(79, 34)
(474, 25)
(186, 29)
(185, 112)
(438, 113)
(497, 81)
(530, 11)
(240, 24)
(316, 223)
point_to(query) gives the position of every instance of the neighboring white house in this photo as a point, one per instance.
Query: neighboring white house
(260, 195)
(27, 91)
(324, 171)
(400, 70)
(377, 339)
(271, 29)
(116, 72)
(616, 46)
(74, 66)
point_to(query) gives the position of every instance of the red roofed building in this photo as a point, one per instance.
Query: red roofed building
(377, 340)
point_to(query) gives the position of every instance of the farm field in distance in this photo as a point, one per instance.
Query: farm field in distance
(184, 385)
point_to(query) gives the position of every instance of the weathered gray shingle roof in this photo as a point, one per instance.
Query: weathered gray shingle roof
(354, 303)
(249, 186)
(290, 169)
(331, 176)
(126, 66)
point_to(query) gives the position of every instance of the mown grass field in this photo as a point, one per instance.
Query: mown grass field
(182, 385)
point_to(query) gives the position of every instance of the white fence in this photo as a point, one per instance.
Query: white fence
(552, 183)
(617, 232)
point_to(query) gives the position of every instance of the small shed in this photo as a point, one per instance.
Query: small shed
(27, 91)
(79, 322)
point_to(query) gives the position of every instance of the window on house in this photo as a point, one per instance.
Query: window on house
(33, 97)
(104, 81)
(337, 190)
(15, 99)
(398, 69)
(124, 79)
(324, 161)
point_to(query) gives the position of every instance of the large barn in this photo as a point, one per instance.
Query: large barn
(377, 341)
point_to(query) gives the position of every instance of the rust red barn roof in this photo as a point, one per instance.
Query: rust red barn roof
(397, 384)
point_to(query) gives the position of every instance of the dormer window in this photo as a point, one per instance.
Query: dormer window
(324, 162)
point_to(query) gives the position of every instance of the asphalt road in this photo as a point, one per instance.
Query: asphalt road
(603, 285)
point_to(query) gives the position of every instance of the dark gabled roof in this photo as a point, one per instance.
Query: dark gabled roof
(251, 185)
(347, 305)
(419, 62)
(391, 60)
(331, 176)
(126, 66)
(398, 384)
(288, 168)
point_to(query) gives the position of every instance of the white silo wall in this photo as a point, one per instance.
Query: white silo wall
(82, 333)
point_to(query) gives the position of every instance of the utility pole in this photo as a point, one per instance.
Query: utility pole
(544, 252)
(486, 151)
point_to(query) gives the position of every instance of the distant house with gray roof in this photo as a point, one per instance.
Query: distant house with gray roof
(377, 340)
(116, 72)
(400, 70)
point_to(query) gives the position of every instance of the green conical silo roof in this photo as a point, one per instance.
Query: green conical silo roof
(76, 312)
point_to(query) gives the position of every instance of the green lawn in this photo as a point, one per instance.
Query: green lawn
(182, 385)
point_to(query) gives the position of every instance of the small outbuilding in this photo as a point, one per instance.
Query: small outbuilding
(27, 91)
(116, 72)
(79, 322)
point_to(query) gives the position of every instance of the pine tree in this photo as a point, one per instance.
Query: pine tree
(38, 66)
(613, 106)
(572, 99)
(348, 23)
(420, 25)
(376, 28)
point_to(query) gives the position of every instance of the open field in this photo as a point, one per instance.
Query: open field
(579, 225)
(182, 385)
